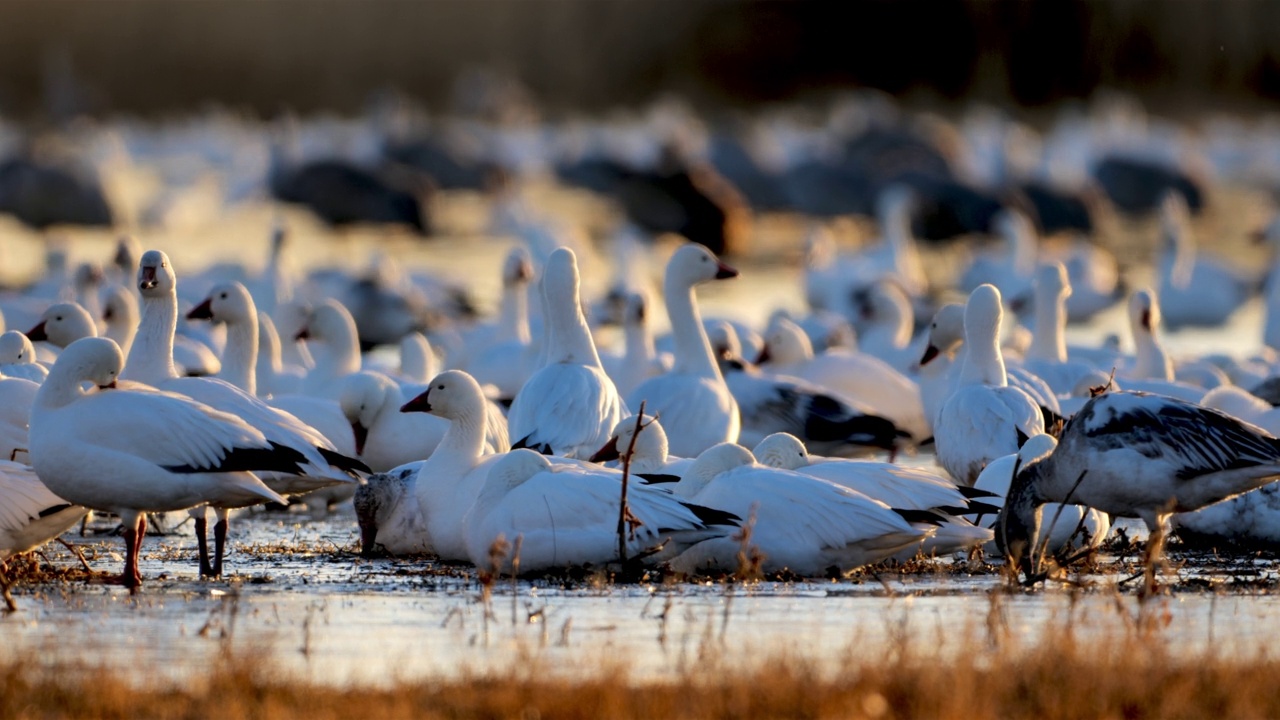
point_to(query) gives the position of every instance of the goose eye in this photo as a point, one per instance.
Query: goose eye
(223, 296)
(58, 319)
(439, 387)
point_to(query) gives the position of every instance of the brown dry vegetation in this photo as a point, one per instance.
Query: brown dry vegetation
(1135, 674)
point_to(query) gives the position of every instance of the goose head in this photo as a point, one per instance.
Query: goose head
(782, 450)
(417, 360)
(946, 332)
(330, 321)
(693, 265)
(635, 313)
(515, 467)
(363, 398)
(91, 359)
(650, 442)
(1019, 520)
(155, 275)
(1144, 312)
(983, 314)
(785, 343)
(16, 348)
(713, 461)
(227, 303)
(125, 259)
(517, 269)
(1052, 282)
(724, 340)
(375, 501)
(63, 324)
(119, 307)
(88, 277)
(452, 395)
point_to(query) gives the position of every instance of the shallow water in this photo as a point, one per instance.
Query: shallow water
(299, 598)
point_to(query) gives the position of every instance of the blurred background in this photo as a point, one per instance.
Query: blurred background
(154, 56)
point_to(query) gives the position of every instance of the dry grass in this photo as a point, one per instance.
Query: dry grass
(1134, 673)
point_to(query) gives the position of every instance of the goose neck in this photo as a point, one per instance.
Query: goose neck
(1050, 342)
(693, 349)
(983, 363)
(151, 356)
(240, 357)
(514, 313)
(570, 338)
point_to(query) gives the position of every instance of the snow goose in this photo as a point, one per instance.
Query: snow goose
(18, 358)
(1074, 526)
(569, 406)
(858, 376)
(1093, 274)
(30, 516)
(388, 514)
(649, 459)
(231, 304)
(1047, 356)
(896, 486)
(984, 418)
(567, 516)
(693, 400)
(511, 328)
(1010, 268)
(448, 482)
(151, 362)
(120, 316)
(136, 450)
(639, 360)
(62, 324)
(885, 323)
(273, 376)
(1152, 369)
(798, 523)
(418, 362)
(17, 397)
(1271, 290)
(1193, 291)
(330, 332)
(1141, 456)
(386, 438)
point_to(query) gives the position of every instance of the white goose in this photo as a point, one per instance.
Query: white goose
(274, 376)
(639, 360)
(984, 418)
(502, 354)
(1011, 267)
(693, 400)
(898, 487)
(62, 324)
(1142, 456)
(18, 358)
(1152, 369)
(649, 459)
(331, 336)
(858, 376)
(1193, 291)
(151, 362)
(448, 482)
(131, 451)
(567, 516)
(386, 438)
(886, 321)
(418, 362)
(120, 315)
(30, 516)
(569, 406)
(1047, 356)
(799, 523)
(17, 397)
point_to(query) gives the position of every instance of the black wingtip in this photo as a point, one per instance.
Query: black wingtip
(920, 516)
(658, 478)
(973, 492)
(343, 462)
(277, 458)
(525, 443)
(712, 516)
(54, 510)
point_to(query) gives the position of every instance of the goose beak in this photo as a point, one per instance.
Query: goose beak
(765, 356)
(724, 272)
(368, 539)
(930, 353)
(422, 403)
(203, 311)
(303, 334)
(146, 278)
(1146, 320)
(36, 334)
(362, 435)
(606, 453)
(109, 386)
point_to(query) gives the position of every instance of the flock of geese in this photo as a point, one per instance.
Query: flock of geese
(520, 445)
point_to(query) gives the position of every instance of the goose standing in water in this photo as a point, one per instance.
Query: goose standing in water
(693, 400)
(136, 450)
(1141, 456)
(570, 405)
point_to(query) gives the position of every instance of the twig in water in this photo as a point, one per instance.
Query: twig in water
(625, 518)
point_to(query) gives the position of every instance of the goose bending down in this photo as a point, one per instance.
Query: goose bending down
(30, 516)
(798, 523)
(896, 486)
(1073, 526)
(984, 418)
(18, 358)
(1142, 456)
(569, 406)
(151, 362)
(567, 516)
(693, 400)
(136, 450)
(17, 397)
(863, 378)
(388, 515)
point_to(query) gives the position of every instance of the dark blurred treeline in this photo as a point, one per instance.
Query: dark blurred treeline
(60, 57)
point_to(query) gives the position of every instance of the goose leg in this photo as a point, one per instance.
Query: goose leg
(219, 540)
(133, 534)
(202, 540)
(1153, 560)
